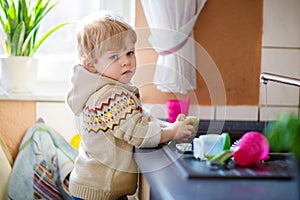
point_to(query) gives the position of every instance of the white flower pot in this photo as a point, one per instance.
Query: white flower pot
(19, 74)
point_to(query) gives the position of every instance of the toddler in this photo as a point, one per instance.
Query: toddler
(112, 120)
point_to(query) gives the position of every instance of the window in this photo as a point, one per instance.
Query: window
(62, 42)
(58, 53)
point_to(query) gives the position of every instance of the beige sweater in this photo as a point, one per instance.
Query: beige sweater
(112, 123)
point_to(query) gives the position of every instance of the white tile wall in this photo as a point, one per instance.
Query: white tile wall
(161, 111)
(280, 55)
(203, 112)
(248, 113)
(271, 113)
(279, 95)
(282, 61)
(281, 23)
(285, 62)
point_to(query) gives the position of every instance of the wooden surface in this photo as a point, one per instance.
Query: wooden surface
(15, 118)
(228, 36)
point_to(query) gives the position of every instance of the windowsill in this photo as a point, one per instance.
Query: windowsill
(44, 92)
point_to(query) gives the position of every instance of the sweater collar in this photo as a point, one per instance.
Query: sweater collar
(85, 83)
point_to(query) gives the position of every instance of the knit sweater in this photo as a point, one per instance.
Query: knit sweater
(112, 123)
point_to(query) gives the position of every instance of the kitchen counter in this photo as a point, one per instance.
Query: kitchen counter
(165, 181)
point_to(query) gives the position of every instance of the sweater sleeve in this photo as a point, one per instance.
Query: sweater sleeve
(119, 112)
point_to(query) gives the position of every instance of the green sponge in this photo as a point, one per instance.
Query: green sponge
(227, 141)
(196, 123)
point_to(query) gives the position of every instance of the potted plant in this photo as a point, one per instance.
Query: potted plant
(20, 23)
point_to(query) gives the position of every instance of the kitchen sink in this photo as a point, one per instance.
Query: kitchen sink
(278, 166)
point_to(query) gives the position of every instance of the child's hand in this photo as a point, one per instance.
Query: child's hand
(184, 128)
(181, 130)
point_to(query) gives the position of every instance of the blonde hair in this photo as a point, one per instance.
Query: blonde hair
(101, 32)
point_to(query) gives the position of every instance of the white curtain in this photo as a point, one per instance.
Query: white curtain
(171, 25)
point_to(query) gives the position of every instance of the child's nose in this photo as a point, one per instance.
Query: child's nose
(125, 61)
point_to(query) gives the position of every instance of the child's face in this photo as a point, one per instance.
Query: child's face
(119, 65)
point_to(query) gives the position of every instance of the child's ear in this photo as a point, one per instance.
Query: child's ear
(89, 66)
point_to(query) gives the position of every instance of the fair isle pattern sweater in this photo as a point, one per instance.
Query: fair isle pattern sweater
(112, 123)
(109, 113)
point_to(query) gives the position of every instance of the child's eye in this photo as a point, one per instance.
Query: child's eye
(130, 53)
(114, 57)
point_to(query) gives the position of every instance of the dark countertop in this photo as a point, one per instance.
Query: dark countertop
(167, 182)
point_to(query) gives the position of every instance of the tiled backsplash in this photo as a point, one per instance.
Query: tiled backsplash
(280, 55)
(281, 23)
(243, 113)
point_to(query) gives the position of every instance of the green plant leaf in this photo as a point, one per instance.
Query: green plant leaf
(2, 23)
(29, 42)
(17, 39)
(47, 34)
(40, 11)
(21, 40)
(4, 8)
(23, 11)
(11, 24)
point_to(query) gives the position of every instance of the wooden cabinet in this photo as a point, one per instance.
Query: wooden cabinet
(15, 117)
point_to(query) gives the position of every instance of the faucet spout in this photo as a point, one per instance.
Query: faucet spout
(265, 77)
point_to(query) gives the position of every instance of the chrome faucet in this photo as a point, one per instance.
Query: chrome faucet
(265, 77)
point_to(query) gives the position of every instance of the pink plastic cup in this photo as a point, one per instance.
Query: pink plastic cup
(252, 148)
(176, 107)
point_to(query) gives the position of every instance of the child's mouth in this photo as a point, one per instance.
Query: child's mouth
(126, 72)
